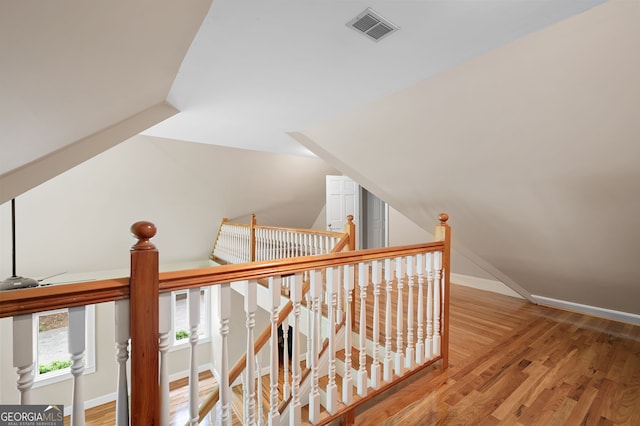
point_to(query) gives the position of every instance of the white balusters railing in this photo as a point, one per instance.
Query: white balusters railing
(409, 354)
(250, 308)
(314, 396)
(296, 297)
(388, 355)
(23, 355)
(165, 316)
(363, 281)
(240, 243)
(420, 266)
(260, 414)
(274, 295)
(436, 302)
(194, 322)
(376, 279)
(347, 380)
(400, 269)
(425, 266)
(428, 343)
(221, 354)
(77, 348)
(333, 287)
(122, 355)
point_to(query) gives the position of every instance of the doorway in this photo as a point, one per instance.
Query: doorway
(345, 197)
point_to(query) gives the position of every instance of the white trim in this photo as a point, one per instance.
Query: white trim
(185, 373)
(93, 402)
(112, 396)
(42, 380)
(494, 286)
(588, 309)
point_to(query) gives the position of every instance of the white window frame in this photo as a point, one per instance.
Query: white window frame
(204, 329)
(65, 373)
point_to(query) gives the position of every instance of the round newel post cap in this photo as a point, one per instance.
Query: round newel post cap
(443, 217)
(143, 231)
(350, 218)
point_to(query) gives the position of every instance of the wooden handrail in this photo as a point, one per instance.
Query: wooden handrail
(182, 280)
(38, 299)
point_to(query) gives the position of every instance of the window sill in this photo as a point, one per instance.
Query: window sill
(59, 376)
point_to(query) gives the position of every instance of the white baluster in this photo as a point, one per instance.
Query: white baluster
(307, 298)
(363, 280)
(222, 296)
(400, 270)
(274, 293)
(259, 392)
(410, 354)
(194, 321)
(23, 355)
(285, 354)
(165, 314)
(122, 355)
(428, 343)
(250, 307)
(388, 361)
(437, 283)
(76, 349)
(258, 244)
(332, 387)
(314, 396)
(420, 337)
(296, 297)
(376, 279)
(347, 380)
(339, 302)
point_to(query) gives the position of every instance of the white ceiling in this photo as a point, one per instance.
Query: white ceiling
(257, 70)
(254, 71)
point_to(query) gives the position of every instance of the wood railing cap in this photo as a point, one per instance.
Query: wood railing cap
(143, 231)
(443, 217)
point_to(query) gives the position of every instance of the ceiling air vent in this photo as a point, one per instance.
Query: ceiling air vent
(372, 25)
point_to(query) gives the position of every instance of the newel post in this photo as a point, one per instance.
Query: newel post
(350, 228)
(443, 233)
(144, 302)
(253, 237)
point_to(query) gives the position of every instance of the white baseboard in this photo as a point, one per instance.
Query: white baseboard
(588, 310)
(112, 396)
(93, 402)
(185, 373)
(484, 284)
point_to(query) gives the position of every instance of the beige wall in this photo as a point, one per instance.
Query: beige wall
(79, 222)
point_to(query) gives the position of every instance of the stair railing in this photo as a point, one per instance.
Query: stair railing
(145, 291)
(249, 242)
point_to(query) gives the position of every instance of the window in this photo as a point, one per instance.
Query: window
(181, 332)
(51, 345)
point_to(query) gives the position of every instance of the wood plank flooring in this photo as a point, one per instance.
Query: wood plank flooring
(511, 363)
(514, 363)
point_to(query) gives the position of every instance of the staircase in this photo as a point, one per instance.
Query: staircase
(360, 326)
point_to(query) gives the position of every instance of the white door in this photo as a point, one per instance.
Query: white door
(343, 198)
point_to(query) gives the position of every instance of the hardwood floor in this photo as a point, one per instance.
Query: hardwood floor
(511, 363)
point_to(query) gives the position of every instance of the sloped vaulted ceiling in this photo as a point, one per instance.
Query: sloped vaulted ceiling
(79, 77)
(532, 149)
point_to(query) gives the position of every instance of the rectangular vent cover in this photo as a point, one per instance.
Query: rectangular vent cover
(372, 25)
